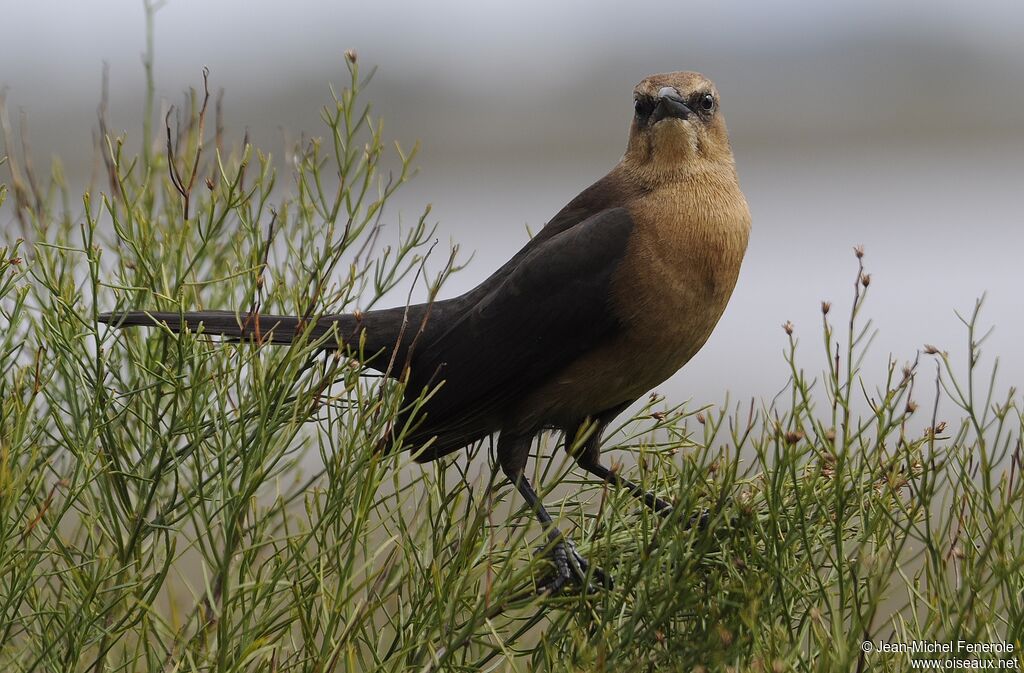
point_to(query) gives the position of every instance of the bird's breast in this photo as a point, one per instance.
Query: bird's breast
(680, 268)
(678, 271)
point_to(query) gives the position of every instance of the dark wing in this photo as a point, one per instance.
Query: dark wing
(545, 312)
(605, 194)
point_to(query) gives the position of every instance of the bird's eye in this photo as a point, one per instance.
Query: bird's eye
(707, 103)
(643, 105)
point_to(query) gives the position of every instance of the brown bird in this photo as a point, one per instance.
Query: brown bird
(616, 293)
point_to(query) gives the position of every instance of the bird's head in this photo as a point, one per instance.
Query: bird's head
(677, 125)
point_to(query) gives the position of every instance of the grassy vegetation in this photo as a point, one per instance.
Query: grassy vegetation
(178, 504)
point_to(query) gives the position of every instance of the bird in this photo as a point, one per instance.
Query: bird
(617, 292)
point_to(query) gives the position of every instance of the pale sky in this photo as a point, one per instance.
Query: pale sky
(899, 125)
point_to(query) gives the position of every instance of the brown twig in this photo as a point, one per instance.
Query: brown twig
(47, 502)
(199, 145)
(30, 175)
(218, 134)
(172, 168)
(253, 316)
(245, 163)
(101, 113)
(21, 194)
(176, 179)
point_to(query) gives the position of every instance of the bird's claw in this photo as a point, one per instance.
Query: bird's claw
(571, 566)
(699, 520)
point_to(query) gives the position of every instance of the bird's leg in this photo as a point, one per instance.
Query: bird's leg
(512, 454)
(588, 457)
(601, 472)
(569, 563)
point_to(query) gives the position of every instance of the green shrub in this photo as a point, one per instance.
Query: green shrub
(175, 503)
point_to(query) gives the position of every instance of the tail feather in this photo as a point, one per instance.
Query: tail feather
(275, 329)
(392, 340)
(388, 335)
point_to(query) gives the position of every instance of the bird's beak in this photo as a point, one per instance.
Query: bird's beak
(670, 104)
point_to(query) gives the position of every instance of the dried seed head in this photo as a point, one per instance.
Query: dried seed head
(209, 183)
(826, 306)
(725, 635)
(865, 279)
(788, 326)
(911, 406)
(700, 417)
(351, 56)
(793, 437)
(658, 415)
(859, 251)
(900, 483)
(930, 349)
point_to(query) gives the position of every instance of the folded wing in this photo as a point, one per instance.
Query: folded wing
(550, 309)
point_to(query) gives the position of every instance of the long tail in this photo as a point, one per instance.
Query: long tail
(388, 338)
(275, 329)
(387, 335)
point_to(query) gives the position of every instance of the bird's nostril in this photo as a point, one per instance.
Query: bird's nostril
(670, 106)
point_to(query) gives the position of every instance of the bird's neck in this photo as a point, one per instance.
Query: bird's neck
(650, 176)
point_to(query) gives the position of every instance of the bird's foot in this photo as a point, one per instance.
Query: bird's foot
(699, 520)
(571, 566)
(658, 505)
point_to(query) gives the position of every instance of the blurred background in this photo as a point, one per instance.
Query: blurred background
(897, 126)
